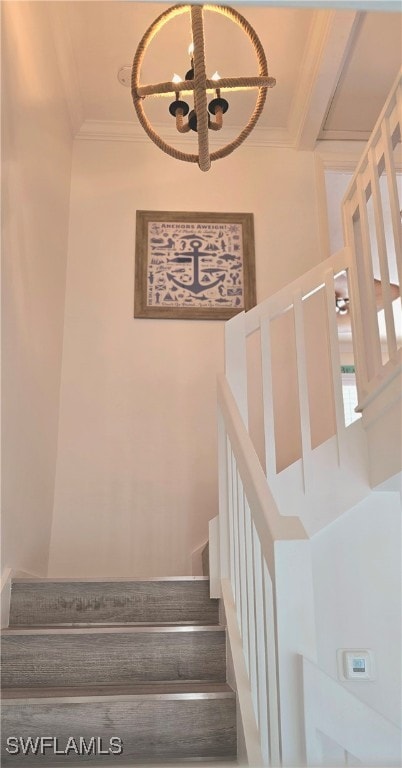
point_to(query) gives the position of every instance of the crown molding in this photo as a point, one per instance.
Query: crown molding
(111, 130)
(67, 66)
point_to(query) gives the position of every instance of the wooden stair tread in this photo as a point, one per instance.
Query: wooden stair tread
(173, 600)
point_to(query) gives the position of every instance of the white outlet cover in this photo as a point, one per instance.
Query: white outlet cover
(355, 664)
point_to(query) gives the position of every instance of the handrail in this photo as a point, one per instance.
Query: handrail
(270, 524)
(307, 283)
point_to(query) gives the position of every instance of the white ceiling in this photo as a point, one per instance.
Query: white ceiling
(333, 68)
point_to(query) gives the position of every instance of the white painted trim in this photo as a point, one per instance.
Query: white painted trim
(214, 564)
(8, 575)
(196, 559)
(246, 710)
(115, 130)
(5, 577)
(5, 596)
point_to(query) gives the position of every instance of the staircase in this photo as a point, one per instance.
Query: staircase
(135, 668)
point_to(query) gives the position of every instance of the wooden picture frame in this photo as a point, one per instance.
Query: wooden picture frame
(194, 266)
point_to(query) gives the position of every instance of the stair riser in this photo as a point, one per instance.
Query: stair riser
(149, 729)
(82, 658)
(46, 603)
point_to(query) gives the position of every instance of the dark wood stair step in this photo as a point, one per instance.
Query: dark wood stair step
(159, 723)
(100, 601)
(121, 656)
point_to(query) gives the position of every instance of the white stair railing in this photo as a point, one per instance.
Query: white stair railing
(372, 227)
(265, 569)
(301, 483)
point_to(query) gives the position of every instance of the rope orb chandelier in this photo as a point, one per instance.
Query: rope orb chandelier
(197, 84)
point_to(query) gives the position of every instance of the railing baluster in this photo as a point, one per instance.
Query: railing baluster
(393, 195)
(262, 667)
(224, 504)
(362, 374)
(231, 513)
(268, 398)
(272, 667)
(372, 346)
(303, 388)
(237, 593)
(236, 362)
(252, 648)
(335, 361)
(243, 576)
(382, 255)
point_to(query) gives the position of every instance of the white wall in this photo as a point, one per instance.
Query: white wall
(357, 583)
(37, 148)
(136, 475)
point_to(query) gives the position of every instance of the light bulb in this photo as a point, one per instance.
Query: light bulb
(216, 76)
(176, 78)
(191, 49)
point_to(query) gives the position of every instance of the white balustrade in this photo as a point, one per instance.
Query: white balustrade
(264, 553)
(378, 162)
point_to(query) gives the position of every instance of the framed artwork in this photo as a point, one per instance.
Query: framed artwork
(194, 265)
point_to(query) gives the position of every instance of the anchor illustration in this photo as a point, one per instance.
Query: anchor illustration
(195, 255)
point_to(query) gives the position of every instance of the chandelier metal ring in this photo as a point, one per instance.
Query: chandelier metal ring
(200, 84)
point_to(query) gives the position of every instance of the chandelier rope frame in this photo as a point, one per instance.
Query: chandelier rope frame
(200, 85)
